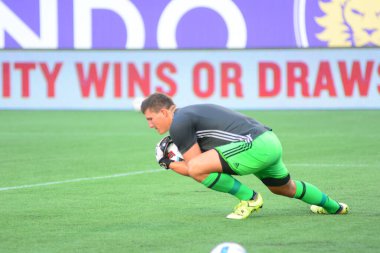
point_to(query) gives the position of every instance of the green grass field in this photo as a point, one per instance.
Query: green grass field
(74, 181)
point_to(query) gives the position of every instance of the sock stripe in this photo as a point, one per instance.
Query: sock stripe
(323, 201)
(235, 187)
(226, 183)
(310, 194)
(215, 181)
(303, 190)
(339, 209)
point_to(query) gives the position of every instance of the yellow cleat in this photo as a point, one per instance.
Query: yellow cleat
(320, 210)
(245, 208)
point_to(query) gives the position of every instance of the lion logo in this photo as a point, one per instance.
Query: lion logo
(350, 23)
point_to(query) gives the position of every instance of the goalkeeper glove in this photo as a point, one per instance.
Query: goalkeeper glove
(162, 152)
(165, 162)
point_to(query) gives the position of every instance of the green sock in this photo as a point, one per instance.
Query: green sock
(225, 183)
(312, 195)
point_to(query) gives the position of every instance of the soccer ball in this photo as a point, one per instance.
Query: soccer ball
(173, 153)
(228, 247)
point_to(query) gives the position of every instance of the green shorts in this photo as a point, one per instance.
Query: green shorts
(261, 157)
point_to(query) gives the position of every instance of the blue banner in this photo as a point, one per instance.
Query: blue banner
(188, 24)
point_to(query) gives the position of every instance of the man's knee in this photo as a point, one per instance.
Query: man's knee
(194, 169)
(202, 165)
(288, 190)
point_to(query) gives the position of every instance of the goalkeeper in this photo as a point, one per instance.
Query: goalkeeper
(217, 143)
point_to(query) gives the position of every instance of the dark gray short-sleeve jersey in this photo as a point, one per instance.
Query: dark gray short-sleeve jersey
(211, 126)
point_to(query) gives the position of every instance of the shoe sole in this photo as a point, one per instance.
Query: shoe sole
(241, 217)
(319, 210)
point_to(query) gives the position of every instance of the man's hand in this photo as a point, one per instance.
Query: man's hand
(162, 152)
(165, 162)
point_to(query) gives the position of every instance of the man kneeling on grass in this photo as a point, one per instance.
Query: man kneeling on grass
(217, 143)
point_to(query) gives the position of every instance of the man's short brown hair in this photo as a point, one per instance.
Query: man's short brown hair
(156, 102)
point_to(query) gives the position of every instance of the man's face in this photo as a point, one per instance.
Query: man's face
(158, 120)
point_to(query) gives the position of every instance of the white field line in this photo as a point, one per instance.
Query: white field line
(306, 165)
(80, 180)
(332, 165)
